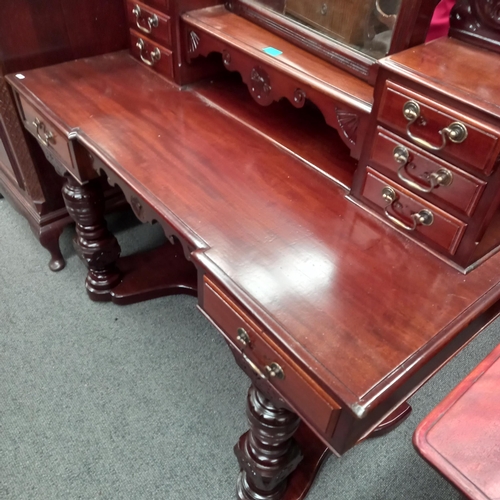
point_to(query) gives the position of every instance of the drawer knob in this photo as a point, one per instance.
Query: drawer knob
(155, 55)
(442, 177)
(47, 137)
(422, 218)
(243, 337)
(455, 132)
(275, 371)
(152, 20)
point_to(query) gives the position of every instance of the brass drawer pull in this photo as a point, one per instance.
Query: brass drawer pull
(152, 20)
(456, 132)
(272, 370)
(442, 177)
(155, 55)
(40, 127)
(424, 217)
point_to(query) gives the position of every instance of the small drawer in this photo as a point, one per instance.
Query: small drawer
(440, 130)
(151, 54)
(413, 214)
(246, 337)
(150, 23)
(47, 135)
(426, 175)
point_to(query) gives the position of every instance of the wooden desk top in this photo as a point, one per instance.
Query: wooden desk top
(360, 307)
(461, 438)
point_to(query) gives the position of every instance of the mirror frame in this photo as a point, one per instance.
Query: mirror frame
(410, 29)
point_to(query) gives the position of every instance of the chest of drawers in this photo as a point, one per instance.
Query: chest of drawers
(151, 34)
(430, 167)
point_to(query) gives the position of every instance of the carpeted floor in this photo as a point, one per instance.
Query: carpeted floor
(145, 402)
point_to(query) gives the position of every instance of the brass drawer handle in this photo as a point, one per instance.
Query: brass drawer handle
(155, 55)
(48, 137)
(152, 20)
(455, 132)
(424, 217)
(272, 370)
(442, 177)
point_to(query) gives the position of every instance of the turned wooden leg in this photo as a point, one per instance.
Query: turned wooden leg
(97, 247)
(267, 453)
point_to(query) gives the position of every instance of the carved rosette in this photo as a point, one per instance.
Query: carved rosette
(260, 86)
(348, 125)
(267, 453)
(477, 22)
(488, 12)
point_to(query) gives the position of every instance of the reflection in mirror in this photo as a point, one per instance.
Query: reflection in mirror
(365, 25)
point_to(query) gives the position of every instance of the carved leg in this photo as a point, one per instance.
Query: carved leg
(267, 454)
(97, 247)
(50, 241)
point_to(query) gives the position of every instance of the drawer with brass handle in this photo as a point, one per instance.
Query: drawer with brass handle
(261, 360)
(412, 214)
(64, 154)
(438, 129)
(151, 54)
(149, 22)
(424, 174)
(48, 136)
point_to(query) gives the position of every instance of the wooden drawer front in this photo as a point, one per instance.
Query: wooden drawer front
(445, 230)
(161, 5)
(478, 150)
(295, 390)
(150, 23)
(48, 136)
(422, 171)
(153, 55)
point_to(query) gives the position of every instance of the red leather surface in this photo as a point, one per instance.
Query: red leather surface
(461, 436)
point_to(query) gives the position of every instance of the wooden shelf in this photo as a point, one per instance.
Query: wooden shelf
(301, 132)
(273, 68)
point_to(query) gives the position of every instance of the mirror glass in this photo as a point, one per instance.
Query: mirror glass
(365, 25)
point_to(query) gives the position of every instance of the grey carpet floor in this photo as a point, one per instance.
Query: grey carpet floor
(99, 401)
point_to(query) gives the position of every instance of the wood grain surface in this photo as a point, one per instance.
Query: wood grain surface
(364, 312)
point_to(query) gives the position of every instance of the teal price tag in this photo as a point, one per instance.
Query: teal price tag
(271, 51)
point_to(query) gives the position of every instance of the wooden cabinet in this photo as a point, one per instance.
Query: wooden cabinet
(151, 37)
(434, 139)
(34, 34)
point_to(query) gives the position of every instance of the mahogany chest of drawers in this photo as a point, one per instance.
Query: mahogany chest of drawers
(430, 165)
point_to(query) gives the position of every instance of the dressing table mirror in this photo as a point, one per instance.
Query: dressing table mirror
(350, 34)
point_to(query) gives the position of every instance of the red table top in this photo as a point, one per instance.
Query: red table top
(461, 436)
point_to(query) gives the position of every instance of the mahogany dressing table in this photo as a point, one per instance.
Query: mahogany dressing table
(339, 287)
